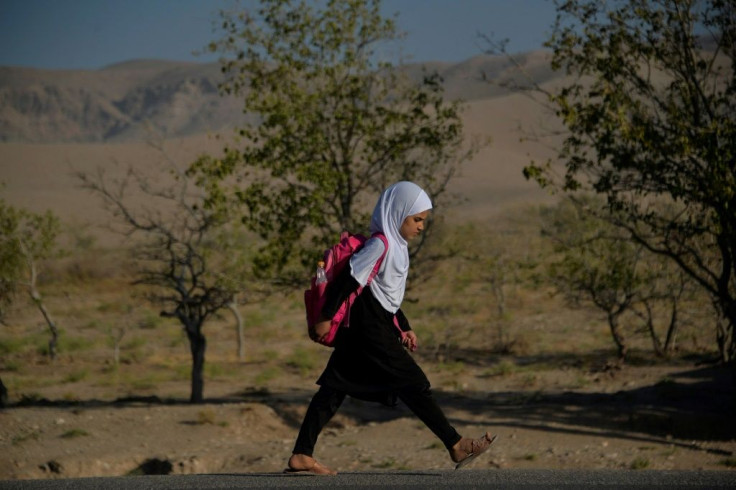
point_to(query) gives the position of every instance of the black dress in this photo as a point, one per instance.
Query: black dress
(369, 362)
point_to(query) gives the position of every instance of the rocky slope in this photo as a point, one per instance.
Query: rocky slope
(126, 101)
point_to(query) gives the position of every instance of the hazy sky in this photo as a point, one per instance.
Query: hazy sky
(91, 34)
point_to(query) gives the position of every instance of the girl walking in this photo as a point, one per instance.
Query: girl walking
(370, 360)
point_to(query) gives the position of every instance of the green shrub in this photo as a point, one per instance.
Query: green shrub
(73, 433)
(639, 464)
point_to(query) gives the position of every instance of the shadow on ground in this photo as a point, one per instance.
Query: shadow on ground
(692, 405)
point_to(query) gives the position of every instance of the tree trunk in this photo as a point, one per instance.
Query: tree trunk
(618, 337)
(3, 395)
(669, 342)
(197, 346)
(233, 306)
(725, 337)
(54, 340)
(656, 341)
(36, 297)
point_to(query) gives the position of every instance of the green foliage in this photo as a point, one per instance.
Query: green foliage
(640, 463)
(650, 111)
(74, 433)
(26, 436)
(25, 238)
(334, 127)
(596, 263)
(75, 376)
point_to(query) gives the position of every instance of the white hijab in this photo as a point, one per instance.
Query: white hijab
(396, 203)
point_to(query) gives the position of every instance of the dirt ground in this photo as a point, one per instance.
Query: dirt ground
(631, 417)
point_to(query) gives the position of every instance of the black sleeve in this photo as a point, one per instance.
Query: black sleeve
(403, 322)
(338, 291)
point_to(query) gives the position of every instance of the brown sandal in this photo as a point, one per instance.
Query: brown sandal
(477, 447)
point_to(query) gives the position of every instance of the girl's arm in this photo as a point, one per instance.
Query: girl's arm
(403, 322)
(409, 338)
(336, 293)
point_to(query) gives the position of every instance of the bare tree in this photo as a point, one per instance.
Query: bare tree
(177, 250)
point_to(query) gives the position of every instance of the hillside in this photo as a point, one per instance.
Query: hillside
(55, 123)
(123, 102)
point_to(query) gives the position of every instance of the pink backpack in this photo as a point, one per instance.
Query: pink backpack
(336, 258)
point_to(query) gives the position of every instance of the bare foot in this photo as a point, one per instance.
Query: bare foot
(466, 450)
(301, 463)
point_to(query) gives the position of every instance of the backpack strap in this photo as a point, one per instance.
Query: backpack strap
(373, 273)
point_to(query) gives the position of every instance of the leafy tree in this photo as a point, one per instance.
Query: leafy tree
(593, 266)
(183, 261)
(650, 112)
(596, 263)
(26, 239)
(331, 126)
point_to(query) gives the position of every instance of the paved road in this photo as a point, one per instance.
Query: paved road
(497, 479)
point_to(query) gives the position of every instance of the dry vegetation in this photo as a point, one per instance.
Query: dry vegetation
(538, 373)
(542, 376)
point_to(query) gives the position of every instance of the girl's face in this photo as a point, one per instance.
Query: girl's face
(413, 225)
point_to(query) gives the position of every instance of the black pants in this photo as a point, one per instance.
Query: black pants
(326, 401)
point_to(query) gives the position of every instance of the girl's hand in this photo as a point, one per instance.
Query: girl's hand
(319, 330)
(410, 340)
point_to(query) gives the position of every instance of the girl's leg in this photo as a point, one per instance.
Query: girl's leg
(323, 406)
(422, 403)
(462, 450)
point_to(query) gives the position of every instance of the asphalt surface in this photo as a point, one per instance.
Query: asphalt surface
(497, 479)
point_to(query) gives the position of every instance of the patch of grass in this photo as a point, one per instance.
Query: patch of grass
(580, 381)
(529, 380)
(385, 464)
(266, 375)
(12, 366)
(111, 368)
(639, 464)
(92, 325)
(728, 462)
(270, 355)
(74, 433)
(74, 344)
(670, 451)
(206, 416)
(108, 307)
(76, 376)
(530, 457)
(503, 368)
(10, 345)
(149, 320)
(181, 372)
(134, 343)
(143, 382)
(30, 398)
(452, 367)
(302, 359)
(434, 445)
(21, 438)
(213, 370)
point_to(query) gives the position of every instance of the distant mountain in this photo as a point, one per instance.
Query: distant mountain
(123, 102)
